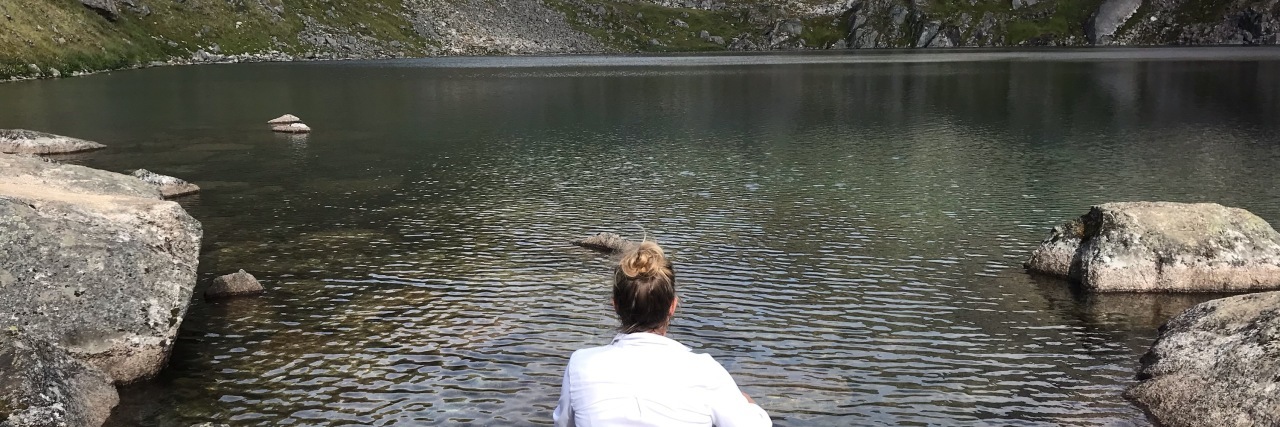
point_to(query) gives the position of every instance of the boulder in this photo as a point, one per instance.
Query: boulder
(1108, 18)
(232, 285)
(284, 120)
(1216, 364)
(95, 262)
(606, 242)
(22, 141)
(41, 385)
(107, 8)
(291, 128)
(1163, 246)
(169, 186)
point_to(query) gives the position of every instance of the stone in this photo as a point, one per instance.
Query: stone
(169, 187)
(53, 72)
(1163, 247)
(284, 120)
(41, 385)
(679, 23)
(606, 242)
(1019, 4)
(107, 8)
(22, 141)
(102, 266)
(704, 34)
(716, 39)
(1108, 18)
(926, 35)
(1216, 364)
(292, 128)
(235, 284)
(33, 68)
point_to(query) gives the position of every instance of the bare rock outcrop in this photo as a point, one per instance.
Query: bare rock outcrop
(236, 284)
(94, 262)
(1216, 364)
(606, 242)
(1163, 247)
(22, 141)
(41, 385)
(169, 187)
(1108, 18)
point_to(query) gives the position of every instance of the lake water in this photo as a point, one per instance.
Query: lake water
(848, 229)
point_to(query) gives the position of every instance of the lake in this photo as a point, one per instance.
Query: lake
(848, 229)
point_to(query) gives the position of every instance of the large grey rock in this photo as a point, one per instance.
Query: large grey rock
(1109, 17)
(235, 284)
(1163, 246)
(1216, 364)
(169, 186)
(606, 242)
(107, 8)
(22, 141)
(95, 262)
(41, 385)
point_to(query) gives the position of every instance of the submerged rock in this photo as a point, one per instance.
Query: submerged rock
(284, 120)
(22, 141)
(1163, 246)
(169, 186)
(235, 284)
(95, 262)
(1217, 364)
(41, 385)
(292, 128)
(606, 242)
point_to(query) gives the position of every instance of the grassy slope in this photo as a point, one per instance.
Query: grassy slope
(65, 35)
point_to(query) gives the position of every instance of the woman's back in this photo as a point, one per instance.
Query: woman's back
(645, 379)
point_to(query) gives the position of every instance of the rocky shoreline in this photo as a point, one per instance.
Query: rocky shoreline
(428, 28)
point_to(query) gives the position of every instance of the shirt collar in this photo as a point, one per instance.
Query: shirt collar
(646, 339)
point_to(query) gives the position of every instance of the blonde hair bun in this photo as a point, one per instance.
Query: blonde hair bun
(646, 259)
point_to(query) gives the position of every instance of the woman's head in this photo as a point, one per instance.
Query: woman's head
(644, 289)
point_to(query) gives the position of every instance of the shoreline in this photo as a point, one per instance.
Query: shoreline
(728, 58)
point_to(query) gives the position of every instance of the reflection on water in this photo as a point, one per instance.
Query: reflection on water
(849, 233)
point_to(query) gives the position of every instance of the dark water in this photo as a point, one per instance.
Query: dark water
(848, 229)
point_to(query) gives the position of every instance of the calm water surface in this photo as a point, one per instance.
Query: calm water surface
(848, 229)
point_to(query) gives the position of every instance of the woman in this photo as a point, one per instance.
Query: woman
(644, 378)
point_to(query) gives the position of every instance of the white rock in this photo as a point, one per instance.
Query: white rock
(284, 120)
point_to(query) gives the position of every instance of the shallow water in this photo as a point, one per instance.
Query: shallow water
(848, 229)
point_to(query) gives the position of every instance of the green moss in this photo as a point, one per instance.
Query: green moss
(822, 32)
(626, 26)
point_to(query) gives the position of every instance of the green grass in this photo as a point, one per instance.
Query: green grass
(628, 27)
(64, 34)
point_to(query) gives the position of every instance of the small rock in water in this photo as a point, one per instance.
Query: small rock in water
(292, 128)
(170, 187)
(284, 120)
(235, 284)
(605, 242)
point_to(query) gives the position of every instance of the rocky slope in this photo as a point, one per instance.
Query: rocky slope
(52, 38)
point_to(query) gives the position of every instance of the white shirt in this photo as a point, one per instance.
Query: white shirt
(645, 379)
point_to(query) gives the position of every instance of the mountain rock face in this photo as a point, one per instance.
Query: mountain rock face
(274, 30)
